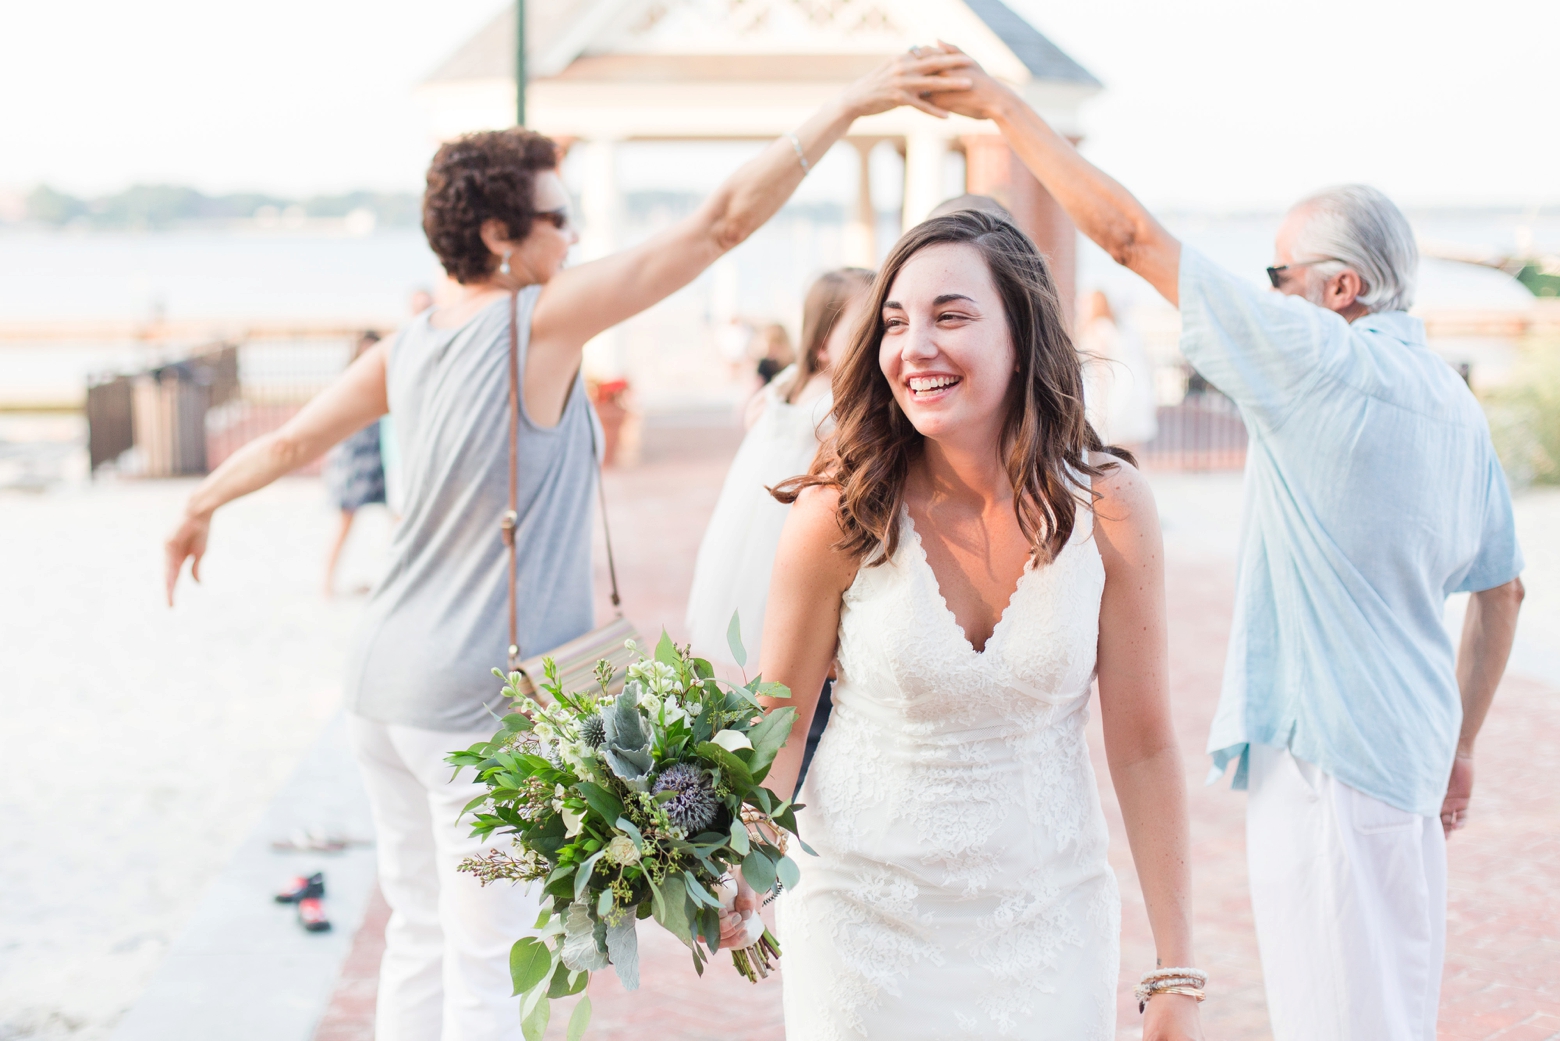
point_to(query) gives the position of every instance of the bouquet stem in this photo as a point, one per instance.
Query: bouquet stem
(756, 961)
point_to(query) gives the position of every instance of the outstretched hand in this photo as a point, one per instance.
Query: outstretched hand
(906, 80)
(188, 542)
(973, 92)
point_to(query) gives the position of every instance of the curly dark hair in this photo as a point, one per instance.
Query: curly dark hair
(476, 178)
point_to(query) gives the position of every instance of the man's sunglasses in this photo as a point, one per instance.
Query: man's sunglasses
(1275, 274)
(557, 218)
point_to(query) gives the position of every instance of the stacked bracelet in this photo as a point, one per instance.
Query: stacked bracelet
(1188, 982)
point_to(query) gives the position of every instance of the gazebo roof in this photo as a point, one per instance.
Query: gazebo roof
(730, 68)
(560, 32)
(1044, 59)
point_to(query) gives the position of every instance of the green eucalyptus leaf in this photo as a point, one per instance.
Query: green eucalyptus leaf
(566, 981)
(769, 736)
(529, 963)
(534, 1026)
(734, 641)
(788, 873)
(699, 894)
(735, 769)
(666, 651)
(759, 871)
(602, 801)
(739, 838)
(670, 907)
(627, 827)
(579, 1020)
(582, 877)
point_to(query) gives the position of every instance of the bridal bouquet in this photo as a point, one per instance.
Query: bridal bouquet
(631, 806)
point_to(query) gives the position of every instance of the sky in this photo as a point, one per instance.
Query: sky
(1209, 104)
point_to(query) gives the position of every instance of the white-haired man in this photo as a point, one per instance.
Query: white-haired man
(1372, 492)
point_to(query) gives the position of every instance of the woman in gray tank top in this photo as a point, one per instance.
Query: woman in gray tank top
(495, 213)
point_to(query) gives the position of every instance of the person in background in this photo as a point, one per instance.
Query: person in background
(785, 421)
(775, 354)
(969, 201)
(1372, 493)
(354, 476)
(772, 345)
(1118, 380)
(419, 681)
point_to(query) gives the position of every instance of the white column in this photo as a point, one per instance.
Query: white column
(601, 203)
(861, 232)
(924, 153)
(601, 212)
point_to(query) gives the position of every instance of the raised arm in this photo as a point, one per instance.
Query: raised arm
(802, 619)
(1489, 629)
(1140, 743)
(1101, 208)
(582, 301)
(355, 399)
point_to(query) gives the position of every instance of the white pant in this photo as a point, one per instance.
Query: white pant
(1349, 896)
(445, 974)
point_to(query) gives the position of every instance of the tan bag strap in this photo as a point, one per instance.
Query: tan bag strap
(512, 516)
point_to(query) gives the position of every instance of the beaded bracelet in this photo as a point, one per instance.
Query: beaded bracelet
(1183, 981)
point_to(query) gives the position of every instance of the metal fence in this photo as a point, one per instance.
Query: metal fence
(187, 416)
(1203, 432)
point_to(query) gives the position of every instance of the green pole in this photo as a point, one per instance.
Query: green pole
(520, 62)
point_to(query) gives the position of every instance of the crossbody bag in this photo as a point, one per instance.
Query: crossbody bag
(575, 660)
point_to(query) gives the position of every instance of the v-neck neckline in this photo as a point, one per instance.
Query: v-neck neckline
(953, 619)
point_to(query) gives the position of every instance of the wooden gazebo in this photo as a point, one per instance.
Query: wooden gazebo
(607, 71)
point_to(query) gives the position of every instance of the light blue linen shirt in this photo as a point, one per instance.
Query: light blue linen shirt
(1372, 492)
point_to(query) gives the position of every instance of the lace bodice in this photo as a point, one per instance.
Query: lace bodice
(955, 815)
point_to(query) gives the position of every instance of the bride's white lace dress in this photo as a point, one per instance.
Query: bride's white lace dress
(961, 888)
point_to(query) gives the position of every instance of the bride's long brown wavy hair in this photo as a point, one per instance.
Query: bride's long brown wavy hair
(1045, 437)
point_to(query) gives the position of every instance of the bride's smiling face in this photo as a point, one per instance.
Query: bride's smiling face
(946, 350)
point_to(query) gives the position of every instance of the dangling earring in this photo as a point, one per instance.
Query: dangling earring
(503, 268)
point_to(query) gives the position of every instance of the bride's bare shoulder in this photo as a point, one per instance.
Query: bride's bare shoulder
(812, 535)
(1125, 514)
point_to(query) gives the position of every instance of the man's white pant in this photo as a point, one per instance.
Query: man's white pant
(445, 974)
(1349, 896)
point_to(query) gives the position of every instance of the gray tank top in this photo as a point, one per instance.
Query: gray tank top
(437, 624)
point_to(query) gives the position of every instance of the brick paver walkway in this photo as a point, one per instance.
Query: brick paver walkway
(1503, 965)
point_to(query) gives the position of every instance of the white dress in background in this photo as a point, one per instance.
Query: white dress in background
(738, 551)
(1118, 384)
(961, 888)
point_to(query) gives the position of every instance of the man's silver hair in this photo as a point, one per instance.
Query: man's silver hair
(1362, 228)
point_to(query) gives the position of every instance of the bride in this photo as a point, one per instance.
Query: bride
(973, 557)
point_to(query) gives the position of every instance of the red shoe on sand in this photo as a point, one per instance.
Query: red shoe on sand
(311, 915)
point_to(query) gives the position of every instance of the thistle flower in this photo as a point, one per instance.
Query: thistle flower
(593, 731)
(694, 806)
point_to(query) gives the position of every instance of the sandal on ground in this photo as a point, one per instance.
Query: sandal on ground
(301, 888)
(311, 915)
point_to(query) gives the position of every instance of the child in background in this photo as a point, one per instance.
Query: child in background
(783, 419)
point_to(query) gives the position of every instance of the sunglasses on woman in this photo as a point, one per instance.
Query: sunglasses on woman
(558, 218)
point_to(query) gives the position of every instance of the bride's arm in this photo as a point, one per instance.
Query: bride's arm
(802, 619)
(1140, 743)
